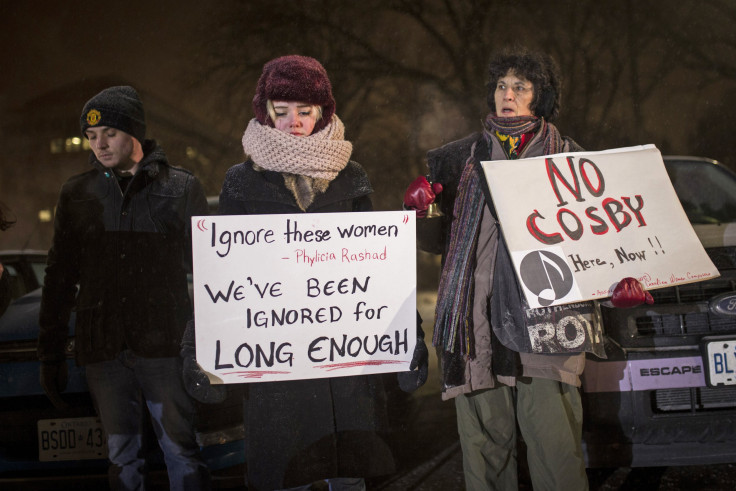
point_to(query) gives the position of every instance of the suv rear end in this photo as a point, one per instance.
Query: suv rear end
(661, 397)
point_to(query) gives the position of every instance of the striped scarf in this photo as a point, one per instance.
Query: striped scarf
(454, 311)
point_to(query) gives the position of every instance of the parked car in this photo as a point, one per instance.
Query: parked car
(42, 444)
(666, 395)
(26, 270)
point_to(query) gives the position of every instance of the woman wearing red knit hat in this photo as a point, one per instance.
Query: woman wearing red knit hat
(304, 431)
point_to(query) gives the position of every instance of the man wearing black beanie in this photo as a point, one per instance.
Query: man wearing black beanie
(122, 233)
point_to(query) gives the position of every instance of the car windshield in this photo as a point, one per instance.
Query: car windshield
(707, 191)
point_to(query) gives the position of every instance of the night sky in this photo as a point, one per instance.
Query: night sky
(46, 44)
(165, 47)
(162, 46)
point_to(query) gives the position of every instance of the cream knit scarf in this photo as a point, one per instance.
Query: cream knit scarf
(308, 163)
(321, 155)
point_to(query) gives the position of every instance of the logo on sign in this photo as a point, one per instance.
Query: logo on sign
(546, 275)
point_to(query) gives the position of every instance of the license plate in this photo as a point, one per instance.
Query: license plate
(720, 357)
(71, 439)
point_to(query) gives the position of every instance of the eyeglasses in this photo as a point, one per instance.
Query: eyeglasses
(518, 89)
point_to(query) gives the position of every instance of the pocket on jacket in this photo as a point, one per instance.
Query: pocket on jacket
(162, 327)
(89, 329)
(168, 213)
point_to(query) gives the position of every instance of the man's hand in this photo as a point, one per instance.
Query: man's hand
(419, 366)
(54, 377)
(196, 382)
(629, 293)
(420, 195)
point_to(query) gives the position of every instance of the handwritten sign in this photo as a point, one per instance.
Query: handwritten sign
(577, 223)
(284, 297)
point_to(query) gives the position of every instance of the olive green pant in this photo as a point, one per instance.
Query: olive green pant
(550, 417)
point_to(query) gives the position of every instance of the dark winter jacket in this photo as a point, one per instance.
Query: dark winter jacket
(463, 374)
(300, 431)
(129, 253)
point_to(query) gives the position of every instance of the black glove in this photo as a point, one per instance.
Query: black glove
(419, 366)
(196, 382)
(54, 376)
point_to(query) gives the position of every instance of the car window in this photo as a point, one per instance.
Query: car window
(707, 191)
(17, 286)
(212, 204)
(39, 269)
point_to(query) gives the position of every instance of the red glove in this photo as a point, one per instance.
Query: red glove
(629, 293)
(421, 194)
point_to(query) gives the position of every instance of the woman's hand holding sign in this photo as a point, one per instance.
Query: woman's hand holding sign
(415, 377)
(196, 381)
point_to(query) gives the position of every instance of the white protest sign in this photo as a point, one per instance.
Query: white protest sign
(285, 297)
(575, 224)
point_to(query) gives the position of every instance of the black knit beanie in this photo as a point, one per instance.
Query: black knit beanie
(116, 107)
(297, 79)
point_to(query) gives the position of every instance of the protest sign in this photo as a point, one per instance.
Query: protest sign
(285, 297)
(577, 223)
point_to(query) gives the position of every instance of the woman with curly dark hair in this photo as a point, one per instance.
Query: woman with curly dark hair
(479, 335)
(535, 71)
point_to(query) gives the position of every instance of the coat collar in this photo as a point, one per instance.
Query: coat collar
(153, 158)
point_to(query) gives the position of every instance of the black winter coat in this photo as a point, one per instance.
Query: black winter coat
(129, 253)
(301, 431)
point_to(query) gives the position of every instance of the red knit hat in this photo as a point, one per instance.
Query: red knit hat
(294, 78)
